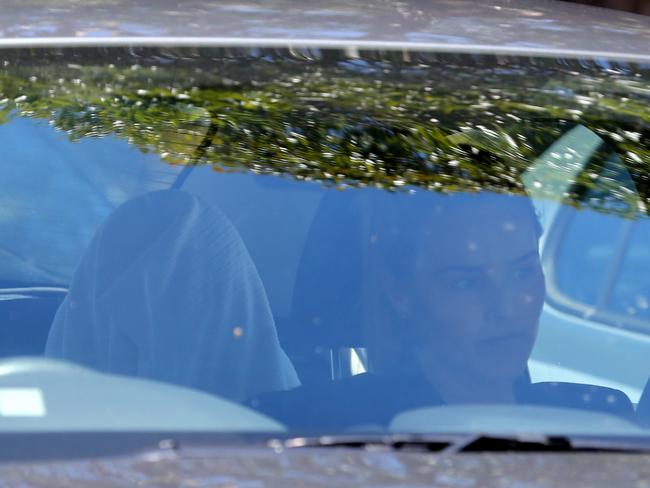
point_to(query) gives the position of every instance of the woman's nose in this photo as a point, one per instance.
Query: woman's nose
(500, 302)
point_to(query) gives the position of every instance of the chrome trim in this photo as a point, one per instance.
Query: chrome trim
(350, 45)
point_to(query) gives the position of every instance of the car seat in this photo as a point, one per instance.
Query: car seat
(327, 304)
(334, 301)
(166, 290)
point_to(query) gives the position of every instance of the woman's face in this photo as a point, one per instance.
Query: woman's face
(479, 288)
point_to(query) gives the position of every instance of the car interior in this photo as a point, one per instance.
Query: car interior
(285, 225)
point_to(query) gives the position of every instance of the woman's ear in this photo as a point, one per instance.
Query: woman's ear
(400, 301)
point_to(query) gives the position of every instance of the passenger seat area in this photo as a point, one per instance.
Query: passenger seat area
(304, 253)
(27, 312)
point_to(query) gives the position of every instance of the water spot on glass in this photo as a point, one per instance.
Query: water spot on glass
(238, 331)
(374, 238)
(642, 302)
(509, 226)
(586, 398)
(277, 446)
(472, 246)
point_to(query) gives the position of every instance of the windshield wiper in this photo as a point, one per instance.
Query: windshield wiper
(372, 442)
(471, 443)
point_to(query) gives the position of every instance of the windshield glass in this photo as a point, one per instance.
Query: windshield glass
(325, 241)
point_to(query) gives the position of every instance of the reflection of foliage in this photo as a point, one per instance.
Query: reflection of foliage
(382, 120)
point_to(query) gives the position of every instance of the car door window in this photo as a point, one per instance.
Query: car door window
(583, 259)
(595, 248)
(630, 295)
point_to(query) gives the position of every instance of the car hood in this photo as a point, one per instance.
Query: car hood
(508, 26)
(316, 467)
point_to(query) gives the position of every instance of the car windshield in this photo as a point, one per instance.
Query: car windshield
(323, 241)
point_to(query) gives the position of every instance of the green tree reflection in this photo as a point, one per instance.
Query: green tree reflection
(390, 120)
